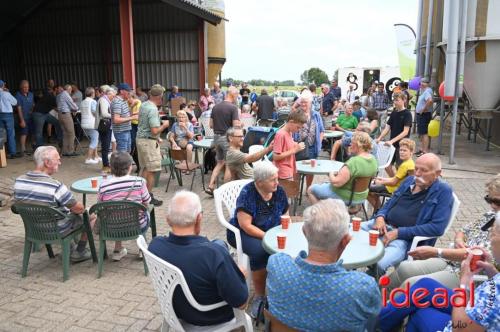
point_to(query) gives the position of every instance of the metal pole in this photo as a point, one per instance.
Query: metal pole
(460, 78)
(441, 127)
(428, 40)
(419, 35)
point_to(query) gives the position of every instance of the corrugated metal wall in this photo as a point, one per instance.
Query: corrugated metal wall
(80, 41)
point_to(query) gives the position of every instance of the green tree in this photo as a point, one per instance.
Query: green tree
(314, 75)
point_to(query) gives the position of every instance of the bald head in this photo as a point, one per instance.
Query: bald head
(431, 160)
(232, 94)
(427, 170)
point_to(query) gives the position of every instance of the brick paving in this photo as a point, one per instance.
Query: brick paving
(122, 299)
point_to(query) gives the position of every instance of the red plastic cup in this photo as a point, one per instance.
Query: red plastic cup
(281, 240)
(93, 182)
(356, 224)
(374, 234)
(313, 162)
(285, 221)
(477, 255)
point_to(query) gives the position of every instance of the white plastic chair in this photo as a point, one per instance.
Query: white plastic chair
(418, 239)
(384, 156)
(247, 122)
(165, 278)
(205, 124)
(227, 194)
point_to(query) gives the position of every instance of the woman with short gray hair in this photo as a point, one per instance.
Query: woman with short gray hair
(124, 187)
(259, 207)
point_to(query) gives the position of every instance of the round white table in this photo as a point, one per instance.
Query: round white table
(358, 252)
(323, 167)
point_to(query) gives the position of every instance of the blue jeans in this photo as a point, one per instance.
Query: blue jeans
(421, 319)
(39, 120)
(123, 141)
(395, 251)
(7, 122)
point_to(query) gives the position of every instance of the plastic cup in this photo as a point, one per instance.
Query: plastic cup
(285, 222)
(373, 234)
(93, 182)
(313, 162)
(356, 224)
(477, 255)
(281, 240)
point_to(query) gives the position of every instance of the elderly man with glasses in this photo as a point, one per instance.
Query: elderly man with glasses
(237, 161)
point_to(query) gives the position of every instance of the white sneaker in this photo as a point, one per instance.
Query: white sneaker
(98, 159)
(91, 161)
(119, 255)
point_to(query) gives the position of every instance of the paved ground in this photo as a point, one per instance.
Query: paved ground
(123, 298)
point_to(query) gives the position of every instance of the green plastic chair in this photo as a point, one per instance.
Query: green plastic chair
(118, 221)
(40, 226)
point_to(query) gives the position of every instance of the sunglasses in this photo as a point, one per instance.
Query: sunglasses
(491, 200)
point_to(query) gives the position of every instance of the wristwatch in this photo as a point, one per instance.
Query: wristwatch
(440, 253)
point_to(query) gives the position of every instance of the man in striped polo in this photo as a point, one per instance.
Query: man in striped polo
(120, 113)
(39, 187)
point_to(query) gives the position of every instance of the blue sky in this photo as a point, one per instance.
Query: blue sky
(279, 39)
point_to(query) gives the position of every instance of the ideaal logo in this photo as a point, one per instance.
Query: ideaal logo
(420, 296)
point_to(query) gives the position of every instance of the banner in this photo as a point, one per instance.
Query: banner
(405, 37)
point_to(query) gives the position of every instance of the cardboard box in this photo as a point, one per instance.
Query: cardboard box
(175, 105)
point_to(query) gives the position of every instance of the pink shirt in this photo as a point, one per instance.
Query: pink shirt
(283, 142)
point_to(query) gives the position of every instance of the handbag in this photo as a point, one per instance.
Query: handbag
(104, 125)
(304, 154)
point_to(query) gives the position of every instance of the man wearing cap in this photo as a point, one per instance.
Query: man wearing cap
(148, 141)
(424, 115)
(121, 118)
(7, 101)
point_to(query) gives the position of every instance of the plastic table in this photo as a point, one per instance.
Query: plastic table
(204, 145)
(84, 186)
(323, 167)
(331, 136)
(357, 254)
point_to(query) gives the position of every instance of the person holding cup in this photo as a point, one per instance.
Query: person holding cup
(482, 315)
(259, 207)
(443, 264)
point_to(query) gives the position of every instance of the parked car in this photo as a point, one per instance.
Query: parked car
(289, 95)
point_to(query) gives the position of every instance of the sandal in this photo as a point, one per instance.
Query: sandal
(209, 191)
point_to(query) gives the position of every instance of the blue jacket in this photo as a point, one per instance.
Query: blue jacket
(434, 216)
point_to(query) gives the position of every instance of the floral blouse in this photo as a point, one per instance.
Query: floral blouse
(474, 236)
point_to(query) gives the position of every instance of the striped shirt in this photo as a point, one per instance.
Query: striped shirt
(130, 188)
(120, 107)
(42, 189)
(64, 103)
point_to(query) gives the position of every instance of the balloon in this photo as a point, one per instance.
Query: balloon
(433, 128)
(414, 83)
(441, 93)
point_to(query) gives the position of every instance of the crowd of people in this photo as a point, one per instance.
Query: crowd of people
(312, 292)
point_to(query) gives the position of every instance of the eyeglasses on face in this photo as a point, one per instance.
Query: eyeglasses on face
(492, 200)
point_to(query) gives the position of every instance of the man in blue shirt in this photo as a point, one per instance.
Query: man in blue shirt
(336, 90)
(424, 114)
(328, 99)
(25, 105)
(421, 206)
(7, 101)
(209, 270)
(313, 292)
